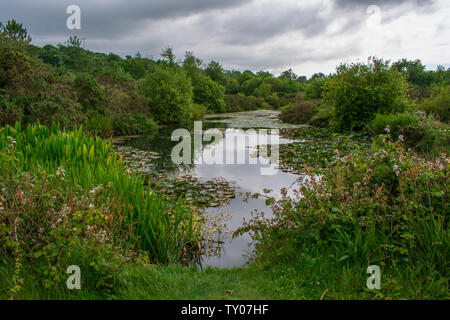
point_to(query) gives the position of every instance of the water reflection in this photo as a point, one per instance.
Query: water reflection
(245, 150)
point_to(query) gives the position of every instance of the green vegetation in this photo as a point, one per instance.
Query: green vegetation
(359, 91)
(438, 104)
(67, 197)
(299, 113)
(110, 95)
(381, 205)
(378, 192)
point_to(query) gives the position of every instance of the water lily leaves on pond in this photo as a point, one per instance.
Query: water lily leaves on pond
(203, 193)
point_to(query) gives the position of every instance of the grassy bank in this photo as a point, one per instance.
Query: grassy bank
(66, 199)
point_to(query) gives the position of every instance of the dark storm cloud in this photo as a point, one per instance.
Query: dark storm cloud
(246, 34)
(261, 25)
(104, 18)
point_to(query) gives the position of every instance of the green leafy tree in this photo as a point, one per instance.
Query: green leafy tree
(14, 30)
(314, 88)
(90, 96)
(288, 74)
(438, 103)
(215, 71)
(169, 56)
(208, 93)
(358, 91)
(169, 94)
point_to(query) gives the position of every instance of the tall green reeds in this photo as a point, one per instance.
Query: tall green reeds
(166, 229)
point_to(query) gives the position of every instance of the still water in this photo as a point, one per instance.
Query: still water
(219, 158)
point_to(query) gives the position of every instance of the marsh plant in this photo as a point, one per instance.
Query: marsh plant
(384, 206)
(67, 199)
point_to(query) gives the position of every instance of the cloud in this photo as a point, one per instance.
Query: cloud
(308, 35)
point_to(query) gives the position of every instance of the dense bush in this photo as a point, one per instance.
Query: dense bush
(381, 206)
(438, 104)
(127, 124)
(89, 94)
(323, 118)
(208, 93)
(87, 164)
(168, 91)
(394, 122)
(419, 132)
(314, 89)
(198, 111)
(238, 102)
(298, 113)
(359, 91)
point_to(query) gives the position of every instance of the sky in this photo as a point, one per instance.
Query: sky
(308, 36)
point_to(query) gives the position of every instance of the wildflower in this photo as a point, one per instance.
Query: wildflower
(94, 191)
(387, 129)
(91, 206)
(396, 170)
(401, 137)
(61, 172)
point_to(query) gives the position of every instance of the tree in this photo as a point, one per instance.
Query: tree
(15, 31)
(358, 91)
(167, 53)
(288, 74)
(191, 64)
(208, 93)
(215, 71)
(74, 42)
(414, 71)
(168, 92)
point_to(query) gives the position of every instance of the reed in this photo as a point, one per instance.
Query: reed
(166, 229)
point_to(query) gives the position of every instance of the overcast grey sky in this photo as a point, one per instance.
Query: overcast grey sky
(308, 36)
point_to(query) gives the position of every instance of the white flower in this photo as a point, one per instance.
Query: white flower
(61, 172)
(401, 137)
(387, 129)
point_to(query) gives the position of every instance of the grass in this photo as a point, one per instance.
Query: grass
(288, 264)
(309, 278)
(163, 228)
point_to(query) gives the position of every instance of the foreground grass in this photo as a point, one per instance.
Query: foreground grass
(297, 281)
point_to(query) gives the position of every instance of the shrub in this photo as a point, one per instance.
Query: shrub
(100, 125)
(168, 91)
(274, 100)
(42, 233)
(239, 102)
(128, 124)
(208, 93)
(323, 117)
(298, 113)
(359, 91)
(418, 131)
(198, 111)
(439, 104)
(395, 122)
(165, 229)
(90, 96)
(9, 111)
(314, 89)
(381, 205)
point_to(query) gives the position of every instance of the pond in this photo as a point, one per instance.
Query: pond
(241, 160)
